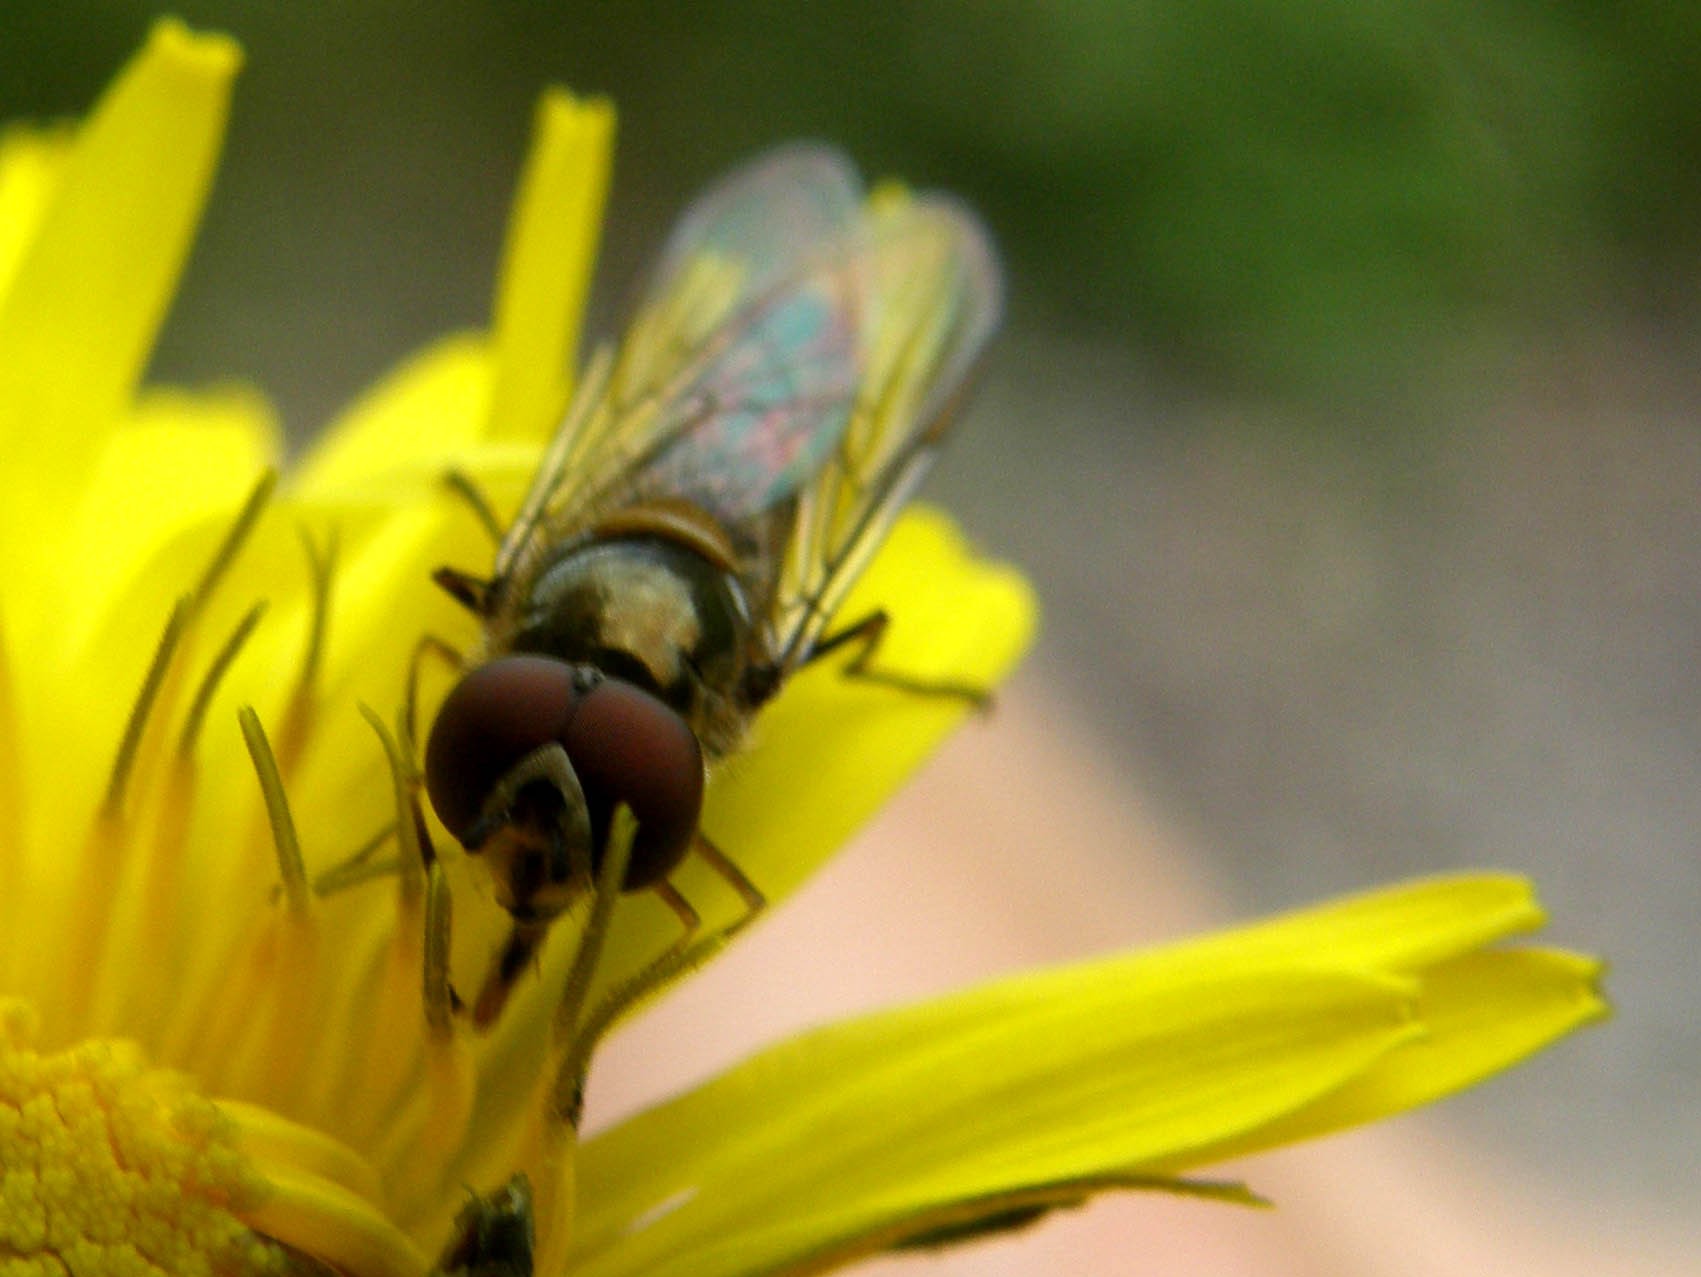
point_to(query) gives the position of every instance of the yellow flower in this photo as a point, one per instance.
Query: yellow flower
(210, 1064)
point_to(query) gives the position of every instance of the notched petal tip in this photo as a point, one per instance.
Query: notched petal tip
(1480, 1014)
(1593, 973)
(559, 107)
(202, 53)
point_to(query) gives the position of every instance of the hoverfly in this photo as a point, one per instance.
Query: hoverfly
(721, 477)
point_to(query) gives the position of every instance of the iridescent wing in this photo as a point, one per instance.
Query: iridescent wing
(933, 296)
(738, 353)
(796, 354)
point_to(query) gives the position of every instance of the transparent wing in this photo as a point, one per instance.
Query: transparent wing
(932, 297)
(792, 370)
(736, 339)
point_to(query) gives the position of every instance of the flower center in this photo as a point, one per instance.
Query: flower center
(115, 1167)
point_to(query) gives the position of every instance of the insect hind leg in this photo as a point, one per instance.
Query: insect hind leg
(466, 488)
(866, 636)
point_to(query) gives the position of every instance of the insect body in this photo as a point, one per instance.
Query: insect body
(722, 477)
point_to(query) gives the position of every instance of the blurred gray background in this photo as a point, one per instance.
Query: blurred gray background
(1346, 415)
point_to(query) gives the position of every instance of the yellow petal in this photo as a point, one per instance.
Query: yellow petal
(1399, 928)
(856, 1128)
(1117, 1069)
(1482, 1013)
(337, 1227)
(547, 264)
(410, 423)
(180, 460)
(78, 322)
(31, 161)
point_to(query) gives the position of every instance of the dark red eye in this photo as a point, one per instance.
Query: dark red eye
(625, 746)
(629, 746)
(492, 719)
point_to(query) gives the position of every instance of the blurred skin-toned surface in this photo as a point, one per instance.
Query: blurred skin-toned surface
(1346, 420)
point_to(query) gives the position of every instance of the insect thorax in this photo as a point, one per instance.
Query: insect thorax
(649, 610)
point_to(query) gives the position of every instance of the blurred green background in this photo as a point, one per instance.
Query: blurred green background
(1314, 198)
(1346, 415)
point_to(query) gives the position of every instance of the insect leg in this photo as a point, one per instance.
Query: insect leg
(867, 634)
(462, 485)
(429, 645)
(689, 919)
(653, 973)
(466, 589)
(517, 953)
(733, 876)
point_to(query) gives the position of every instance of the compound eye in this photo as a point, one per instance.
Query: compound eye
(634, 749)
(492, 719)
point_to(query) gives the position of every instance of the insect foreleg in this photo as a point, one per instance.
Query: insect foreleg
(517, 953)
(866, 635)
(689, 919)
(466, 589)
(429, 645)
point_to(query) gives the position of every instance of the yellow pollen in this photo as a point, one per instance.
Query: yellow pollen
(113, 1167)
